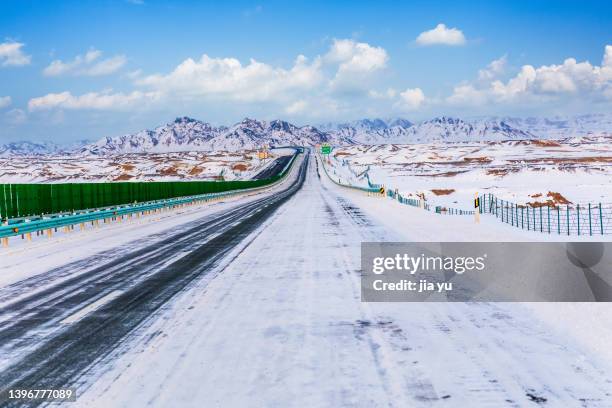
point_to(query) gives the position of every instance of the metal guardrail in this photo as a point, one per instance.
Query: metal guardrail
(52, 222)
(378, 190)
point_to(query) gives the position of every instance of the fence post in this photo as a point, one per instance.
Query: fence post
(527, 218)
(559, 219)
(516, 210)
(522, 218)
(601, 220)
(507, 211)
(578, 216)
(541, 229)
(548, 218)
(590, 227)
(567, 214)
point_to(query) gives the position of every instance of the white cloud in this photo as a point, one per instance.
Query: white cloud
(308, 87)
(494, 69)
(607, 60)
(227, 78)
(88, 65)
(11, 54)
(93, 100)
(357, 57)
(441, 35)
(357, 65)
(411, 99)
(548, 82)
(5, 101)
(347, 66)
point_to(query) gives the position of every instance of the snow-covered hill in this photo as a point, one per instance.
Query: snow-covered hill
(562, 127)
(371, 131)
(447, 129)
(25, 148)
(28, 148)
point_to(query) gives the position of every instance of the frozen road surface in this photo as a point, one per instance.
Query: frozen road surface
(255, 302)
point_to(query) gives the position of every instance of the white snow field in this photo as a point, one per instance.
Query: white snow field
(280, 322)
(532, 172)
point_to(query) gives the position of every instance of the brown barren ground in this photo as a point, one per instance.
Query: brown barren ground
(440, 192)
(239, 167)
(555, 199)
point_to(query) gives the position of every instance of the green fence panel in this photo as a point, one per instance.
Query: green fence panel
(20, 200)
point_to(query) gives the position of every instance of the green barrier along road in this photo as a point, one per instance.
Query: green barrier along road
(25, 210)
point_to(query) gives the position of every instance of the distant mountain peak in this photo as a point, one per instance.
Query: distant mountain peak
(185, 119)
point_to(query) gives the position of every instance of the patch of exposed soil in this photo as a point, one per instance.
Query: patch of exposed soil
(195, 171)
(440, 192)
(558, 198)
(554, 200)
(168, 171)
(239, 167)
(477, 160)
(545, 143)
(502, 172)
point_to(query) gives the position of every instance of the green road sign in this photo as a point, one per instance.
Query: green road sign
(325, 149)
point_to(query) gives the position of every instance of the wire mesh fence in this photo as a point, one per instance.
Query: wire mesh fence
(567, 219)
(419, 202)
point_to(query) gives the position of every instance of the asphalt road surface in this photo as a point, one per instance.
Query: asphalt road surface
(274, 169)
(138, 284)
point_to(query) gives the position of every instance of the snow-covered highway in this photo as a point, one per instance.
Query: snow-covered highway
(258, 304)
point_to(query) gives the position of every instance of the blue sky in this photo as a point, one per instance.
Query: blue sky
(86, 69)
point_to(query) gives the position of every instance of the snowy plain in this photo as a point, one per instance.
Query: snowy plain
(282, 325)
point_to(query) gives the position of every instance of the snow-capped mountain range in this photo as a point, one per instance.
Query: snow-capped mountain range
(187, 134)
